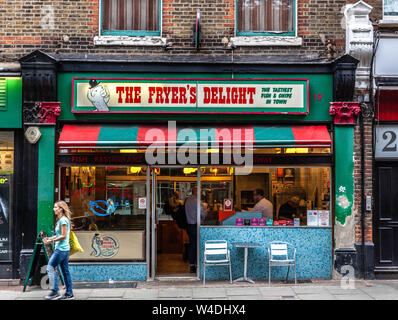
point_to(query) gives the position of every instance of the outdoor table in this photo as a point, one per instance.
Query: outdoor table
(246, 246)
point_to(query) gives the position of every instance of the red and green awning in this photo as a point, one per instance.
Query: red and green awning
(121, 136)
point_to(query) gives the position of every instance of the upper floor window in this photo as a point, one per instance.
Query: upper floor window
(265, 17)
(390, 9)
(130, 17)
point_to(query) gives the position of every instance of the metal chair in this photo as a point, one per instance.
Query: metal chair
(278, 256)
(217, 254)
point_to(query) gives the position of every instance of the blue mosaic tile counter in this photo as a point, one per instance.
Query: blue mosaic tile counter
(313, 251)
(104, 272)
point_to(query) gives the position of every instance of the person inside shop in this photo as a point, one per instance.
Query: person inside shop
(288, 210)
(190, 211)
(262, 204)
(174, 203)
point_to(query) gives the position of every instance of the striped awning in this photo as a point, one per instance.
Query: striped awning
(121, 136)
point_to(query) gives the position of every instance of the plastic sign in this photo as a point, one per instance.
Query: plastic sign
(386, 146)
(187, 95)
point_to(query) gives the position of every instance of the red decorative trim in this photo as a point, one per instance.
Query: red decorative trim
(49, 111)
(344, 112)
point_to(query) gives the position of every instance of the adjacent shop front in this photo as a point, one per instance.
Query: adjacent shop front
(10, 170)
(127, 141)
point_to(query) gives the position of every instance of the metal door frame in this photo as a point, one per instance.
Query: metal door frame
(152, 215)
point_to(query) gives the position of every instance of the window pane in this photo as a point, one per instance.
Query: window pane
(298, 195)
(265, 15)
(108, 207)
(130, 15)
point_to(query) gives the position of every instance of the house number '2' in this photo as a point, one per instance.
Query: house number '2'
(388, 147)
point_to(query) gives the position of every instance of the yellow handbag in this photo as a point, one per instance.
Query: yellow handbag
(74, 244)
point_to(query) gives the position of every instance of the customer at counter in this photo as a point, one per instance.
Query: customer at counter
(288, 210)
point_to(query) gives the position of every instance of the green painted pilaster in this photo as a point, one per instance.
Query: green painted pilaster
(45, 191)
(344, 172)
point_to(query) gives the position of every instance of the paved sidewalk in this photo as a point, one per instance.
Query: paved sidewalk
(222, 290)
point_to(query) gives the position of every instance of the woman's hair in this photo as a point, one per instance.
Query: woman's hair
(65, 210)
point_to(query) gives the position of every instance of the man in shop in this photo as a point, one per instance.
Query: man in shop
(191, 213)
(262, 205)
(288, 210)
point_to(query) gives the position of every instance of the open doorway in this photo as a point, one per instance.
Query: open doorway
(173, 186)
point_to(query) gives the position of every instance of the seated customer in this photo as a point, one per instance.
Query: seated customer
(288, 210)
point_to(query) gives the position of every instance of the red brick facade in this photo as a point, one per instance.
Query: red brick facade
(27, 25)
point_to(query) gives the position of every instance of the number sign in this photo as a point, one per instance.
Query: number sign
(386, 142)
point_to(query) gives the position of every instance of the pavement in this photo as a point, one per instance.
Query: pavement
(223, 290)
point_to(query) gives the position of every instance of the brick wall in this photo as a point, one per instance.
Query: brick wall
(27, 25)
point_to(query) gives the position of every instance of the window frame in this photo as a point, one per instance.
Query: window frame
(292, 33)
(130, 33)
(388, 17)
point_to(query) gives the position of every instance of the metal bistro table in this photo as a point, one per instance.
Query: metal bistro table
(246, 246)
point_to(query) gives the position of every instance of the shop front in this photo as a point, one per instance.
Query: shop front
(119, 199)
(126, 142)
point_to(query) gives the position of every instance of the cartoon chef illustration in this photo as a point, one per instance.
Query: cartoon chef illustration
(99, 95)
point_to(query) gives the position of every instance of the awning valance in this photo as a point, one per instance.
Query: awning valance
(121, 136)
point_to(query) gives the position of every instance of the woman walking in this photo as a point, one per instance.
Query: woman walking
(61, 253)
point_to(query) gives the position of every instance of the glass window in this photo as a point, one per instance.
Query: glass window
(108, 207)
(130, 17)
(297, 196)
(265, 17)
(390, 9)
(6, 185)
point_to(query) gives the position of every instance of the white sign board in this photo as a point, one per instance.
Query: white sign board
(386, 146)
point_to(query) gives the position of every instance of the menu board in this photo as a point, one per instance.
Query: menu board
(323, 218)
(312, 218)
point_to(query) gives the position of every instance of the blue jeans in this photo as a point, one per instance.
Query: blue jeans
(59, 258)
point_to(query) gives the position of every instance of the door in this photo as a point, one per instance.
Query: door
(386, 218)
(169, 242)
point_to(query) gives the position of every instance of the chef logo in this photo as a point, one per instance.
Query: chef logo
(99, 96)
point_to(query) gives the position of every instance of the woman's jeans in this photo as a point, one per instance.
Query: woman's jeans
(59, 258)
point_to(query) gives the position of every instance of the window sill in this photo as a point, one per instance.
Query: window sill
(129, 41)
(264, 41)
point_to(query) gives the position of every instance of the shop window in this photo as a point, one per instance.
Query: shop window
(6, 186)
(108, 207)
(265, 17)
(130, 17)
(300, 196)
(390, 9)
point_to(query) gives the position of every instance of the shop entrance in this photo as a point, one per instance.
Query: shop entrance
(171, 186)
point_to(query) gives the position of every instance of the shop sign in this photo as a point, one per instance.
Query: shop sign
(386, 146)
(118, 95)
(139, 159)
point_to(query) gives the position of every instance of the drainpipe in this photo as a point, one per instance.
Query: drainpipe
(361, 126)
